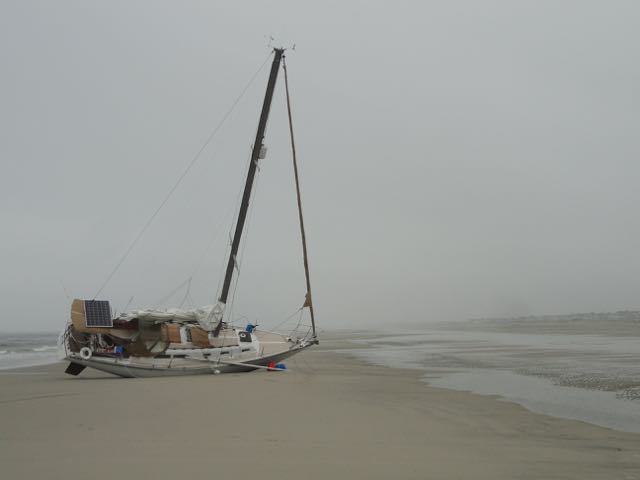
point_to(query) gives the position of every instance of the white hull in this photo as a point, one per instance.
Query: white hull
(142, 367)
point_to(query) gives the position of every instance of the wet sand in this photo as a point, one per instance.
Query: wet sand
(329, 417)
(591, 378)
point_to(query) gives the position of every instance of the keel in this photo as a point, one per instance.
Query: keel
(74, 368)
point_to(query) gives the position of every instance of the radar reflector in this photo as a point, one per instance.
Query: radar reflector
(97, 313)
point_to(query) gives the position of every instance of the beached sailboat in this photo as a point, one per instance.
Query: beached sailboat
(151, 343)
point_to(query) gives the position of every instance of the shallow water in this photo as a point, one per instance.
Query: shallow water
(592, 378)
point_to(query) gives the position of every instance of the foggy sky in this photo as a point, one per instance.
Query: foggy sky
(458, 159)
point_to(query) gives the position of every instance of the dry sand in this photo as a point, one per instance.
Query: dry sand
(330, 417)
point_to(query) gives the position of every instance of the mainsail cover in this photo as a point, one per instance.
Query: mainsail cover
(155, 316)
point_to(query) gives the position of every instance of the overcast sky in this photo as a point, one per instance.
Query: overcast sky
(458, 159)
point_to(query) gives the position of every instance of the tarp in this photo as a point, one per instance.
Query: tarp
(154, 316)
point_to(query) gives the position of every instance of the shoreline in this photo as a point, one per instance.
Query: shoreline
(432, 377)
(564, 376)
(329, 415)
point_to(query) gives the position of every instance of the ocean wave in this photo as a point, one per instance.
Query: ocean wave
(46, 348)
(19, 359)
(27, 349)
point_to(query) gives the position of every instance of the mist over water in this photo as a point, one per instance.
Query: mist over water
(457, 159)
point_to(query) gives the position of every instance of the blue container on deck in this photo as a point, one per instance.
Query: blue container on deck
(281, 366)
(249, 328)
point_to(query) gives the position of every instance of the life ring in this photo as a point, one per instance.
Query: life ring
(85, 353)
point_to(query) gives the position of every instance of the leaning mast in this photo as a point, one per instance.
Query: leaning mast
(246, 196)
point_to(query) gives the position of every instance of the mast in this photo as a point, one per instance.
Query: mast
(308, 300)
(246, 196)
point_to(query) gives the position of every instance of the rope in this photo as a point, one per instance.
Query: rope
(243, 248)
(191, 300)
(236, 209)
(184, 174)
(199, 263)
(186, 294)
(161, 301)
(308, 301)
(298, 311)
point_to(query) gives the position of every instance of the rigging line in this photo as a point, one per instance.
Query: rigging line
(126, 307)
(186, 294)
(190, 298)
(199, 263)
(236, 210)
(286, 320)
(65, 290)
(228, 249)
(231, 213)
(294, 330)
(212, 240)
(184, 174)
(309, 300)
(161, 301)
(299, 321)
(243, 249)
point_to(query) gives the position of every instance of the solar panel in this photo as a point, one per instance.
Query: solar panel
(97, 313)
